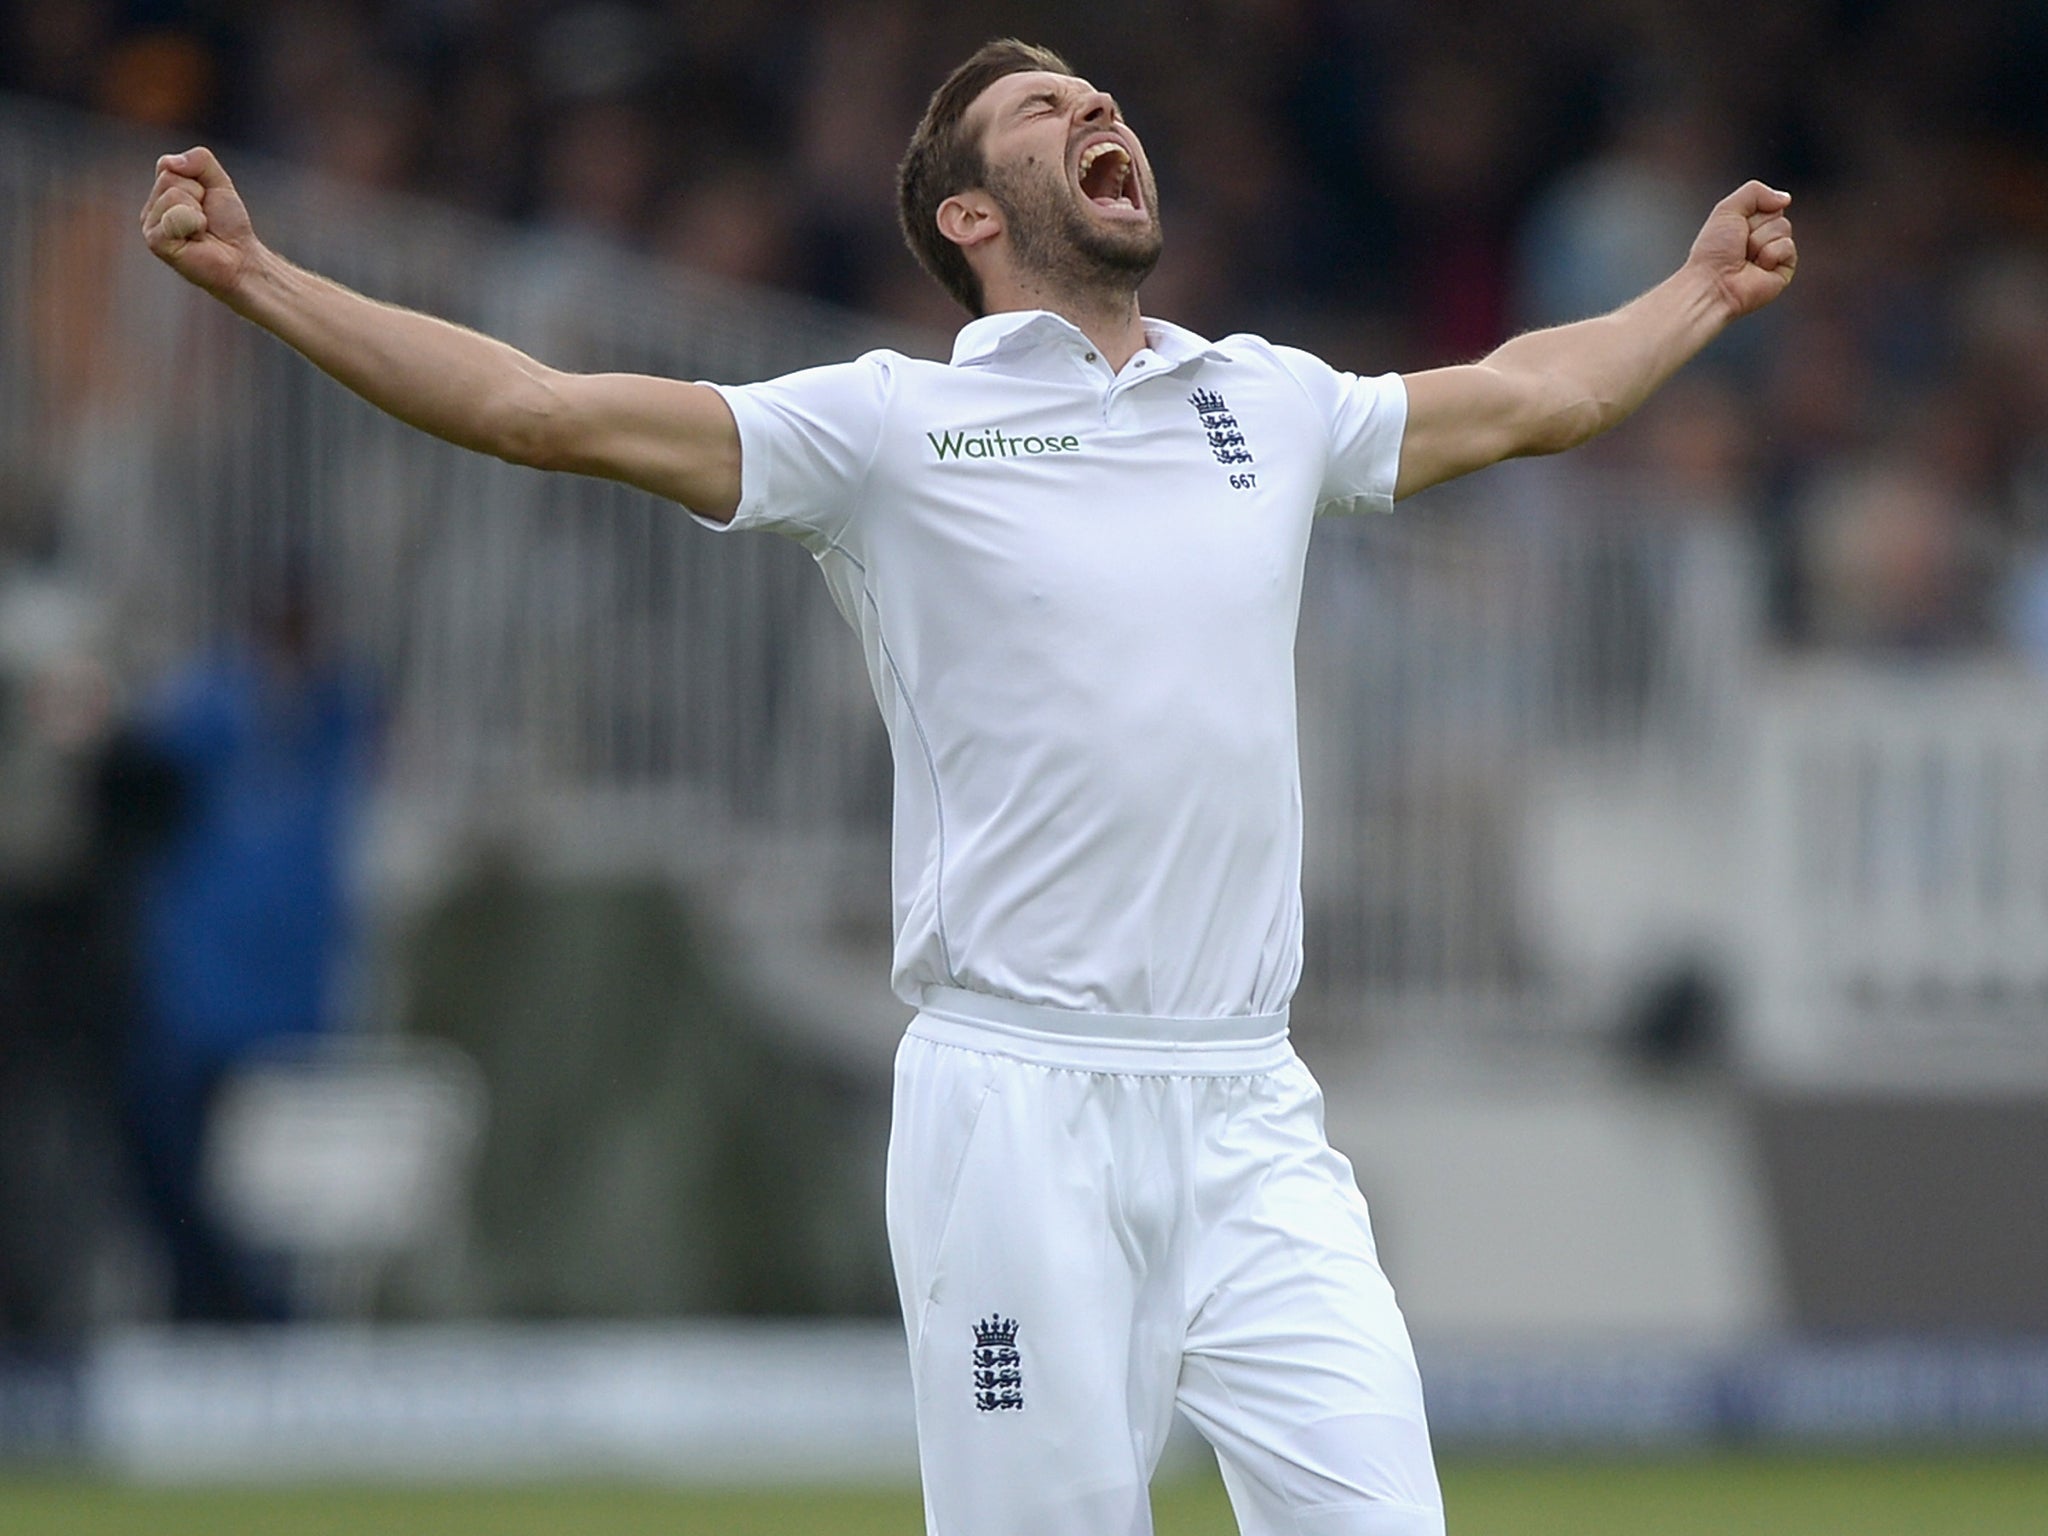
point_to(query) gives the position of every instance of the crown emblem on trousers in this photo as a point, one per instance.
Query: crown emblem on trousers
(998, 1372)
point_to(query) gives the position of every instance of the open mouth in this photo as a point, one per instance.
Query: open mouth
(1108, 179)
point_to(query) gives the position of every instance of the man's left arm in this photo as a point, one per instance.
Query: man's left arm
(1552, 390)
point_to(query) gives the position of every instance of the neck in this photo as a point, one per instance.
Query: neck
(1108, 318)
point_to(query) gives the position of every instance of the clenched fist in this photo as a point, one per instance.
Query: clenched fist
(195, 222)
(1746, 246)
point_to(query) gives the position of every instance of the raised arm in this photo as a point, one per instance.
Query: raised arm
(673, 438)
(1552, 390)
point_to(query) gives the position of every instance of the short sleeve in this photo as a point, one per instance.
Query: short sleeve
(1364, 418)
(807, 440)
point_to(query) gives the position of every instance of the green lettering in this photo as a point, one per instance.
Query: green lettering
(994, 443)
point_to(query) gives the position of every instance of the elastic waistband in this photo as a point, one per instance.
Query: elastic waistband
(1103, 1042)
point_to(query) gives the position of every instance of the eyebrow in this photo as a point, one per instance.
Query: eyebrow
(1053, 95)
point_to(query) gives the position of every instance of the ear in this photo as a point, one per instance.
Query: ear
(970, 219)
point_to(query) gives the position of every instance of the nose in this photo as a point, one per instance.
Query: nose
(1098, 107)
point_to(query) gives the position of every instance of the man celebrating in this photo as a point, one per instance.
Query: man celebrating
(1074, 559)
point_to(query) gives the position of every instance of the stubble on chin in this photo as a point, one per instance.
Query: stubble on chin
(1055, 239)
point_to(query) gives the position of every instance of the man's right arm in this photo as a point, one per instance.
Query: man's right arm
(673, 438)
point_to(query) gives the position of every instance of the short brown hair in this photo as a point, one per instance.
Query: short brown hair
(943, 160)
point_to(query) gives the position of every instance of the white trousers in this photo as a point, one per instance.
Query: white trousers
(1090, 1229)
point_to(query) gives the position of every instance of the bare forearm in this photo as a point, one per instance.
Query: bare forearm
(1595, 373)
(667, 436)
(1552, 390)
(443, 378)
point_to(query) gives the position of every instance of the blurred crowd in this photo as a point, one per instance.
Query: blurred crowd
(1392, 183)
(173, 906)
(1395, 184)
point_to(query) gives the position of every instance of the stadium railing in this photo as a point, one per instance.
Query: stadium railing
(1898, 859)
(563, 651)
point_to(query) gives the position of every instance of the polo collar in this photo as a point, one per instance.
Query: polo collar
(1022, 330)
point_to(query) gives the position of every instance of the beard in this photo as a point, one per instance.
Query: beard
(1054, 237)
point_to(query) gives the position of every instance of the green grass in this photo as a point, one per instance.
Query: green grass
(1891, 1495)
(1899, 1494)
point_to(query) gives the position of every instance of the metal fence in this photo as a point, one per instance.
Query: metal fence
(1898, 828)
(536, 631)
(567, 639)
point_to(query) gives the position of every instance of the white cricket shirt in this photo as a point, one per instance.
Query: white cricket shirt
(1077, 592)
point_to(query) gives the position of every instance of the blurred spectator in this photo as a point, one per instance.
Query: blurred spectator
(367, 133)
(2003, 309)
(161, 78)
(301, 57)
(1688, 464)
(1192, 282)
(1618, 223)
(1453, 158)
(57, 48)
(734, 223)
(474, 154)
(1397, 184)
(601, 50)
(850, 133)
(599, 172)
(1394, 183)
(242, 917)
(58, 987)
(1896, 559)
(1341, 171)
(1232, 201)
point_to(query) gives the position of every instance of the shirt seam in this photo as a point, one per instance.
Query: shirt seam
(858, 498)
(1322, 479)
(931, 762)
(835, 544)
